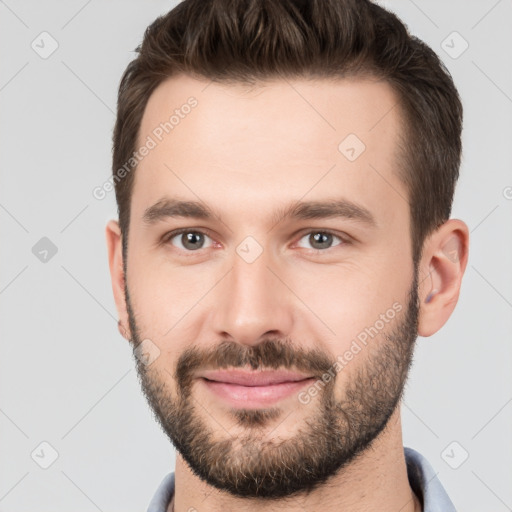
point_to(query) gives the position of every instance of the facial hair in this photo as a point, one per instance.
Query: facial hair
(334, 434)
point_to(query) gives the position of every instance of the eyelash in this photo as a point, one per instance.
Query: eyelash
(344, 239)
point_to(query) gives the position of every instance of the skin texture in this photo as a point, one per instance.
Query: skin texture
(246, 152)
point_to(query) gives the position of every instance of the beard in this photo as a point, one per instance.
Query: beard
(335, 433)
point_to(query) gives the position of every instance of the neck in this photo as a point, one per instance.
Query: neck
(376, 480)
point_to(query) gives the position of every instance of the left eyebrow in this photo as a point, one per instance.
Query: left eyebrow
(326, 209)
(172, 207)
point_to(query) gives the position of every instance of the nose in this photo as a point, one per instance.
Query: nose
(253, 302)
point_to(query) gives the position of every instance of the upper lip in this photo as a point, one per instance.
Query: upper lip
(254, 378)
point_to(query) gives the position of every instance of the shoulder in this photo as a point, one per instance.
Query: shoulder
(163, 495)
(424, 482)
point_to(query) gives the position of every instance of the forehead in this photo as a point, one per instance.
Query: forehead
(278, 140)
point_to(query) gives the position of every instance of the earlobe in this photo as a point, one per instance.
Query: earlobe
(115, 258)
(123, 331)
(443, 262)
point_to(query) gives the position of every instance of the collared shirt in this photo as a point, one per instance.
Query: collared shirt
(422, 479)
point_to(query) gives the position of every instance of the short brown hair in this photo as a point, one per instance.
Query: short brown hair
(243, 41)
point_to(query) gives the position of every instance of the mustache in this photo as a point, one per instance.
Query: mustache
(272, 353)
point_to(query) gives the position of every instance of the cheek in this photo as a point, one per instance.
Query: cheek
(157, 382)
(339, 300)
(165, 297)
(354, 298)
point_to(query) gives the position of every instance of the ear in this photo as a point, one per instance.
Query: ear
(442, 265)
(115, 261)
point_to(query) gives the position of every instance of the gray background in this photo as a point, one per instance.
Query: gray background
(67, 377)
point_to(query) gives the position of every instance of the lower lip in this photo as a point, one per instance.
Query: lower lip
(255, 396)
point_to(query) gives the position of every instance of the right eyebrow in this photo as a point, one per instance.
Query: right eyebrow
(167, 207)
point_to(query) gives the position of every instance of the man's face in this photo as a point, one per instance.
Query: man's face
(332, 298)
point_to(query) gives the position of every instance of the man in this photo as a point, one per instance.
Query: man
(284, 173)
